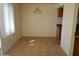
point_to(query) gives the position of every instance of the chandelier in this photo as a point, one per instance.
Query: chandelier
(37, 10)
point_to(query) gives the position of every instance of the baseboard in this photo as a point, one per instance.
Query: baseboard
(12, 44)
(39, 36)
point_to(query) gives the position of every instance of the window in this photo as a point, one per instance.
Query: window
(8, 19)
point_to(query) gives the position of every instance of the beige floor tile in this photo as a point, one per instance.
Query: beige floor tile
(45, 51)
(36, 46)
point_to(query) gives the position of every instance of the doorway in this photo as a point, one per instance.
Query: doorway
(76, 42)
(59, 23)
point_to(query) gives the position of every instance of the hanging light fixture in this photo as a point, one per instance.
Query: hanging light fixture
(37, 10)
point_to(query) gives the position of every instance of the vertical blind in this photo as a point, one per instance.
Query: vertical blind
(8, 13)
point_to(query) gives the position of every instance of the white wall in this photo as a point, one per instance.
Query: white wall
(40, 25)
(68, 27)
(1, 30)
(0, 22)
(11, 40)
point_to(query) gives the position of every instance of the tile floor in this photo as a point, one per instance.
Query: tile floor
(36, 46)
